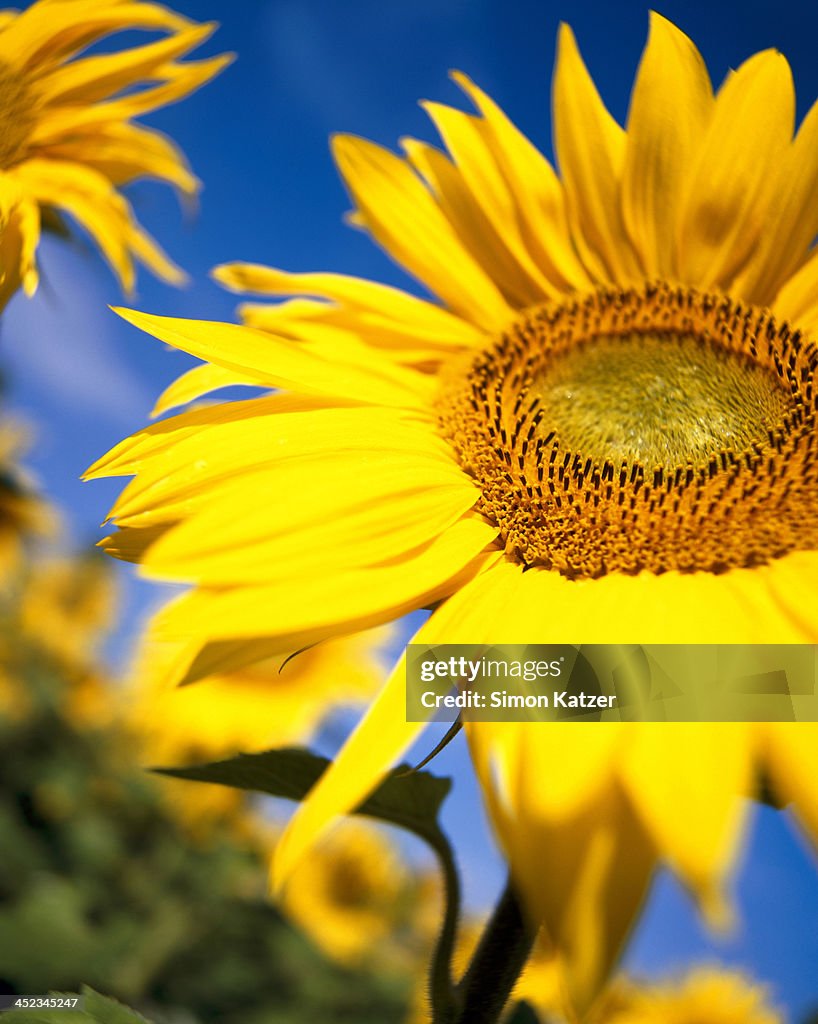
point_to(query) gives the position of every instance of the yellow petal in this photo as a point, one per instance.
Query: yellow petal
(309, 607)
(19, 235)
(686, 781)
(797, 301)
(193, 472)
(148, 251)
(590, 149)
(404, 218)
(470, 223)
(792, 761)
(787, 586)
(131, 545)
(674, 608)
(380, 739)
(671, 103)
(128, 457)
(792, 220)
(536, 190)
(125, 152)
(228, 656)
(347, 329)
(466, 138)
(91, 200)
(201, 380)
(91, 79)
(186, 78)
(357, 293)
(46, 34)
(373, 748)
(735, 172)
(272, 362)
(594, 853)
(381, 512)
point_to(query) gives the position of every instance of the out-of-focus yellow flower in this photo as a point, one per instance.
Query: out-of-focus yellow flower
(240, 708)
(353, 896)
(22, 514)
(53, 617)
(67, 605)
(15, 700)
(67, 137)
(606, 433)
(708, 995)
(243, 708)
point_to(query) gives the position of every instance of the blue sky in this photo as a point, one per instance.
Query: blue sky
(258, 138)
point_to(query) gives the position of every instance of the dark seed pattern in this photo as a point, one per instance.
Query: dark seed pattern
(684, 498)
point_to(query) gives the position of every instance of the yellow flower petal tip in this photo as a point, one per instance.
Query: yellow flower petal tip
(229, 275)
(135, 317)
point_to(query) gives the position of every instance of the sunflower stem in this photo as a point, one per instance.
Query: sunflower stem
(442, 994)
(496, 965)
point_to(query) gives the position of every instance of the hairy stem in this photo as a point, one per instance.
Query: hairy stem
(497, 963)
(442, 993)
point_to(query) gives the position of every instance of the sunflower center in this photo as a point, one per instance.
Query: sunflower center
(657, 400)
(16, 116)
(350, 886)
(651, 429)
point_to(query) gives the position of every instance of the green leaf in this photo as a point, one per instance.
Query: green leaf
(406, 798)
(96, 1009)
(410, 800)
(109, 1011)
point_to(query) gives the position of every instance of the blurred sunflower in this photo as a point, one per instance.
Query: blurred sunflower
(68, 142)
(604, 433)
(54, 615)
(237, 707)
(274, 702)
(67, 605)
(21, 513)
(708, 995)
(352, 896)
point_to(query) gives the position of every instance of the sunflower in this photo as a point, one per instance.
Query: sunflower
(275, 702)
(22, 515)
(66, 606)
(603, 432)
(237, 707)
(353, 897)
(708, 995)
(67, 141)
(54, 616)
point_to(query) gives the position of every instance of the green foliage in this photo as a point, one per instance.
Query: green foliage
(100, 885)
(406, 798)
(410, 800)
(95, 1009)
